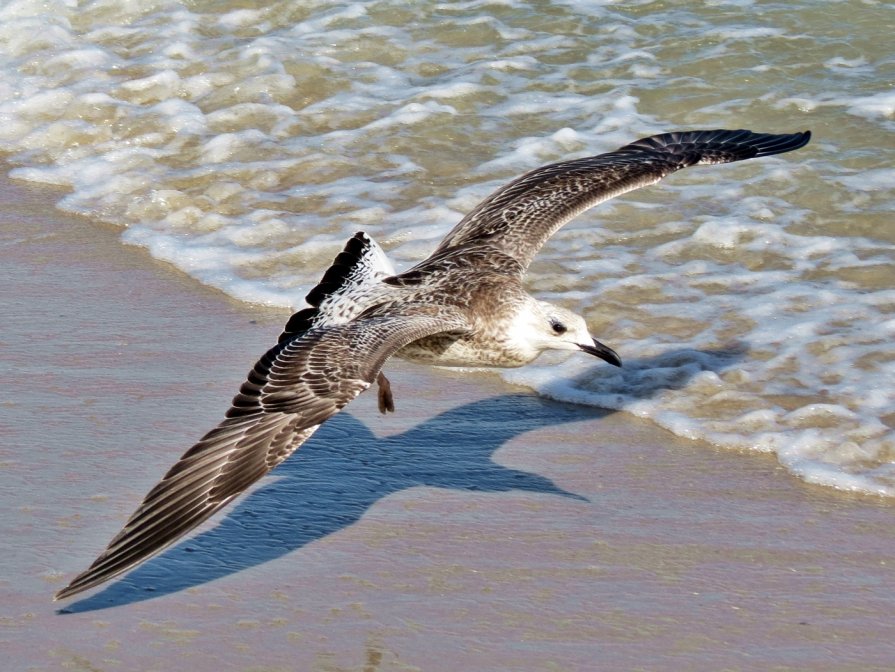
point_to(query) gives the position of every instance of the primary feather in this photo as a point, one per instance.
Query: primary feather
(465, 304)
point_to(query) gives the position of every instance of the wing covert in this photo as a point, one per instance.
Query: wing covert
(291, 391)
(519, 217)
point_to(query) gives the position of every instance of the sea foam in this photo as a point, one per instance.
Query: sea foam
(752, 304)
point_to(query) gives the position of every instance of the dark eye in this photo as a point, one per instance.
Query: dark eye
(558, 327)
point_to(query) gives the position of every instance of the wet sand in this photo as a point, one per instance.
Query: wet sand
(479, 528)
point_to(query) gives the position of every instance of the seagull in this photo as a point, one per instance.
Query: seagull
(464, 305)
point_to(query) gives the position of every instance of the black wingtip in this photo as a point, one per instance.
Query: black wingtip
(68, 591)
(767, 144)
(687, 148)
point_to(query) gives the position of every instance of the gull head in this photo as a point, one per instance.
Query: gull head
(556, 328)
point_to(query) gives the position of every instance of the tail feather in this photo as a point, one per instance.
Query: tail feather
(361, 262)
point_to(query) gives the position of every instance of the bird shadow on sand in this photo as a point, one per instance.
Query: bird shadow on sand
(344, 469)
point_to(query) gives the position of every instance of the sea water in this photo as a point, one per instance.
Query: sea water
(753, 304)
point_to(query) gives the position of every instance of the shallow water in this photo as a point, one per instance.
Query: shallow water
(245, 142)
(479, 528)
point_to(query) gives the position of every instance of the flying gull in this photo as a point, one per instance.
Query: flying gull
(463, 306)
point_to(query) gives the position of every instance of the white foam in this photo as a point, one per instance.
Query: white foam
(242, 18)
(870, 180)
(877, 105)
(752, 303)
(873, 107)
(838, 62)
(747, 33)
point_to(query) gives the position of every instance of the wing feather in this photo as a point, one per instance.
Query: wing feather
(291, 391)
(518, 218)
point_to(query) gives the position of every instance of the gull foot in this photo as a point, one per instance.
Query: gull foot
(386, 400)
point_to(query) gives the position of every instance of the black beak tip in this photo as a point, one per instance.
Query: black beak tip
(604, 352)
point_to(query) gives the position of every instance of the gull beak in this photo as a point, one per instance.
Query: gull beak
(603, 352)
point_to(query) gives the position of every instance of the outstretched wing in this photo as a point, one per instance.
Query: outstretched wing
(294, 388)
(519, 217)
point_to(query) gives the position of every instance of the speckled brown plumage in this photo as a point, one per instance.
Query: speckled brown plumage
(465, 304)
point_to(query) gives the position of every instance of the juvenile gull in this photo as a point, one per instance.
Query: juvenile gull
(463, 306)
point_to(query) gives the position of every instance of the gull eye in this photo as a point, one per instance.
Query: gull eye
(558, 327)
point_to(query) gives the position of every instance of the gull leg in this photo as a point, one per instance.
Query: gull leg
(386, 401)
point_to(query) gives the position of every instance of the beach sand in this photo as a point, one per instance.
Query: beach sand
(478, 528)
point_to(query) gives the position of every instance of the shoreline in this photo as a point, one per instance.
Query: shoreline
(479, 527)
